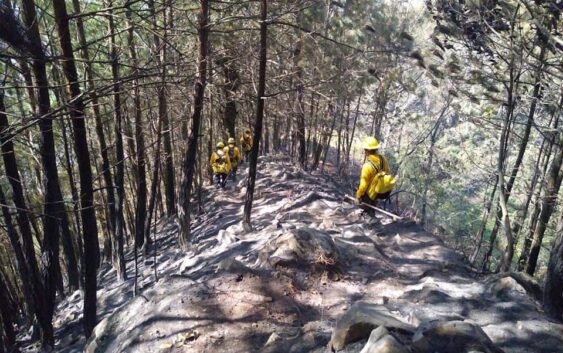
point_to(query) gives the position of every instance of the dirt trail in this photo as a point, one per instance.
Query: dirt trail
(282, 287)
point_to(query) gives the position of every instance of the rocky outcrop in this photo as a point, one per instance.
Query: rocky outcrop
(389, 334)
(381, 341)
(359, 321)
(302, 246)
(452, 336)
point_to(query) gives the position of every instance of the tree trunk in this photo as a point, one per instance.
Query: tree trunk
(339, 134)
(328, 138)
(232, 83)
(299, 109)
(481, 233)
(53, 207)
(504, 189)
(169, 183)
(189, 159)
(548, 203)
(351, 140)
(70, 174)
(67, 238)
(167, 172)
(533, 219)
(27, 262)
(118, 257)
(5, 314)
(210, 145)
(504, 192)
(141, 179)
(155, 181)
(106, 168)
(428, 170)
(521, 150)
(312, 126)
(553, 286)
(259, 116)
(29, 86)
(89, 225)
(21, 262)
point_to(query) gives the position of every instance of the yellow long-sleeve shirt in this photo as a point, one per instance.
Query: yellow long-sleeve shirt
(236, 155)
(246, 142)
(369, 172)
(220, 162)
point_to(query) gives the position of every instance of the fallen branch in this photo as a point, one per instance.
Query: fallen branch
(392, 215)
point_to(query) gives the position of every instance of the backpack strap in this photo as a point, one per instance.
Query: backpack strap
(377, 170)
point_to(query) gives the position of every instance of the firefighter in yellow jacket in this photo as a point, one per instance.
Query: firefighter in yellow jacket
(374, 164)
(234, 156)
(246, 143)
(221, 165)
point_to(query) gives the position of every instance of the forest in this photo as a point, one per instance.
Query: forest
(110, 110)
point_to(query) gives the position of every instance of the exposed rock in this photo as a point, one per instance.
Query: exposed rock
(452, 336)
(316, 332)
(225, 237)
(287, 176)
(294, 216)
(503, 284)
(375, 336)
(309, 198)
(231, 265)
(302, 246)
(523, 336)
(95, 342)
(428, 294)
(236, 229)
(358, 322)
(385, 344)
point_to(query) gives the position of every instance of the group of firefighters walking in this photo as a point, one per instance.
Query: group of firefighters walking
(376, 180)
(226, 159)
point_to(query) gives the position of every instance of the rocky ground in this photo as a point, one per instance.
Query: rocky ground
(313, 276)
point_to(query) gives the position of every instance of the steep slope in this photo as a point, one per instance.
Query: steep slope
(284, 286)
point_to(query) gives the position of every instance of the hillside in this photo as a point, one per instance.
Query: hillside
(312, 276)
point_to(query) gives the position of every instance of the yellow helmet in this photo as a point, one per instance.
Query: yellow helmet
(220, 145)
(371, 143)
(231, 141)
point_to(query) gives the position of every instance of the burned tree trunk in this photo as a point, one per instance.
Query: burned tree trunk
(27, 262)
(230, 87)
(118, 257)
(106, 169)
(259, 116)
(141, 179)
(189, 159)
(553, 288)
(88, 214)
(53, 207)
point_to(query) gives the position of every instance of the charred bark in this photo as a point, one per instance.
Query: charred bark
(118, 257)
(190, 157)
(259, 116)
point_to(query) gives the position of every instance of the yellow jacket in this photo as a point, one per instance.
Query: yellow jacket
(246, 142)
(369, 172)
(220, 162)
(235, 153)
